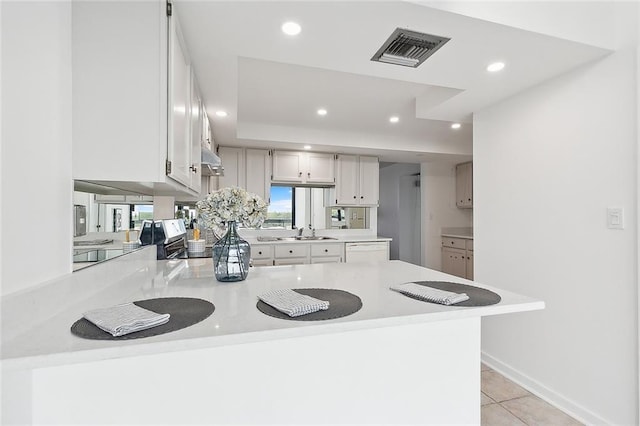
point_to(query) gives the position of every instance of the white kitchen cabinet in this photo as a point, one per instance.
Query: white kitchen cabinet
(123, 199)
(139, 199)
(262, 255)
(464, 185)
(131, 98)
(206, 130)
(196, 135)
(369, 180)
(111, 199)
(302, 167)
(357, 181)
(469, 263)
(454, 261)
(179, 166)
(246, 168)
(457, 257)
(291, 254)
(290, 261)
(234, 168)
(327, 253)
(320, 168)
(258, 172)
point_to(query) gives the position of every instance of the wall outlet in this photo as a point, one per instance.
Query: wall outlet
(615, 218)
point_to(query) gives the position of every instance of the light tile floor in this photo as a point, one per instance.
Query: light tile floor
(504, 403)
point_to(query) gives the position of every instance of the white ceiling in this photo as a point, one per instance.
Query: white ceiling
(272, 84)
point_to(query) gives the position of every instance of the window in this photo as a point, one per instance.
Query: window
(140, 212)
(281, 210)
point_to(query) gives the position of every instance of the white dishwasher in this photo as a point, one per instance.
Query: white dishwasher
(367, 251)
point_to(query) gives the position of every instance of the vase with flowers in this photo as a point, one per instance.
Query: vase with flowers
(222, 211)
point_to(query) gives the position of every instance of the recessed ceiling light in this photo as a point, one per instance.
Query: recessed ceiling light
(495, 67)
(307, 147)
(455, 125)
(394, 119)
(221, 113)
(322, 111)
(291, 28)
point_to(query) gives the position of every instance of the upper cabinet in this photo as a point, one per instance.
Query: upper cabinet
(233, 160)
(464, 185)
(357, 181)
(246, 168)
(196, 135)
(207, 135)
(133, 99)
(293, 167)
(258, 172)
(179, 164)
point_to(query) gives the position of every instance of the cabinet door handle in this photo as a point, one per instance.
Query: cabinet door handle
(299, 174)
(354, 197)
(259, 252)
(309, 174)
(290, 251)
(326, 251)
(362, 197)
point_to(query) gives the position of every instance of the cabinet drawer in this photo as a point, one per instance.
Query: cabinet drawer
(326, 250)
(327, 259)
(291, 250)
(292, 261)
(470, 245)
(454, 242)
(261, 252)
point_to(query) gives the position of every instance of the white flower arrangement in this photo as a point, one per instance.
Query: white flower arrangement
(231, 204)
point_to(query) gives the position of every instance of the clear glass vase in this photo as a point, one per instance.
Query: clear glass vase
(231, 256)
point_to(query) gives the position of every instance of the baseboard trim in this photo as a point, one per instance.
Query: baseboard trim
(571, 408)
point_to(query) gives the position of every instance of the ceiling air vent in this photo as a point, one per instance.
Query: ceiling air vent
(408, 48)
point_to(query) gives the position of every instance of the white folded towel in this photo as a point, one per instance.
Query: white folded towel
(124, 319)
(293, 303)
(430, 294)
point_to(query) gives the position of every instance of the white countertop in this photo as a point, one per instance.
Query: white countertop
(342, 239)
(236, 319)
(466, 233)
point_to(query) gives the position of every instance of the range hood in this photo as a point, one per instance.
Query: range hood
(211, 163)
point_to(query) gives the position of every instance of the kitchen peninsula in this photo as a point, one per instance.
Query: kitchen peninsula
(396, 360)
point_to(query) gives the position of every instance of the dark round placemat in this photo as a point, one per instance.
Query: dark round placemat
(341, 304)
(184, 311)
(477, 296)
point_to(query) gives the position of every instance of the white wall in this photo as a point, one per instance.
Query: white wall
(36, 142)
(395, 219)
(547, 164)
(438, 190)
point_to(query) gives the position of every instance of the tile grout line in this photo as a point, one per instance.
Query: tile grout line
(511, 412)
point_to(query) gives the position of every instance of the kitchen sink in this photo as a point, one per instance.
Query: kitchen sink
(303, 238)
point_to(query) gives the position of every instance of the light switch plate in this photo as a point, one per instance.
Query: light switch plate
(615, 218)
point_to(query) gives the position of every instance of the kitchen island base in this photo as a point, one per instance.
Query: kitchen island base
(424, 373)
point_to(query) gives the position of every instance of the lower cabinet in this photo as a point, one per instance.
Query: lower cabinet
(457, 257)
(291, 254)
(470, 265)
(327, 253)
(454, 261)
(296, 254)
(262, 255)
